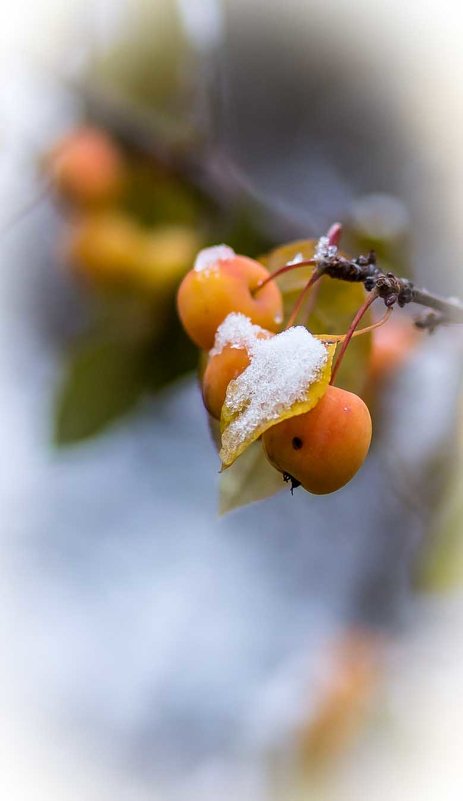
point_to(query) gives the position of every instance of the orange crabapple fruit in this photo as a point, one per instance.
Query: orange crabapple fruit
(86, 167)
(391, 347)
(325, 447)
(222, 282)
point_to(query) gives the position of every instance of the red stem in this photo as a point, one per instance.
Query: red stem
(298, 305)
(311, 303)
(281, 270)
(363, 308)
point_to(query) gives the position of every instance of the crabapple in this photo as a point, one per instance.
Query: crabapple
(220, 283)
(109, 248)
(86, 167)
(105, 248)
(323, 448)
(391, 346)
(221, 369)
(165, 254)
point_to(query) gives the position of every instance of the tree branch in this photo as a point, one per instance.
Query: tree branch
(216, 179)
(393, 289)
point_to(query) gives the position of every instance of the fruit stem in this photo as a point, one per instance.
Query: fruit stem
(281, 270)
(363, 308)
(312, 300)
(358, 332)
(316, 275)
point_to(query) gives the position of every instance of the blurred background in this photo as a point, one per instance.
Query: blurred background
(300, 647)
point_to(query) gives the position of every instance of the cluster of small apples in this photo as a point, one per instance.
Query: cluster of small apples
(108, 246)
(110, 249)
(321, 449)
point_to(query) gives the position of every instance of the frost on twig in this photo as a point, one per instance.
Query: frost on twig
(297, 259)
(324, 250)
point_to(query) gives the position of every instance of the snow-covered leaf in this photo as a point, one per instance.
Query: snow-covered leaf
(287, 375)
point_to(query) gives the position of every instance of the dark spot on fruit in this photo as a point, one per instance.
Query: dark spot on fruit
(297, 443)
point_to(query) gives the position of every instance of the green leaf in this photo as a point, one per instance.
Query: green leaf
(251, 478)
(104, 379)
(335, 305)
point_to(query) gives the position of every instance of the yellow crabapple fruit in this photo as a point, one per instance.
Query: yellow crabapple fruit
(165, 255)
(325, 447)
(220, 283)
(109, 248)
(105, 248)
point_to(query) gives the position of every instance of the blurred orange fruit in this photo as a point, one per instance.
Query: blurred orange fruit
(87, 167)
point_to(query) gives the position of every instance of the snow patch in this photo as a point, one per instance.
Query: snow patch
(236, 331)
(208, 258)
(323, 250)
(296, 259)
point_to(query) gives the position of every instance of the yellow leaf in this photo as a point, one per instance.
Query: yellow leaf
(236, 436)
